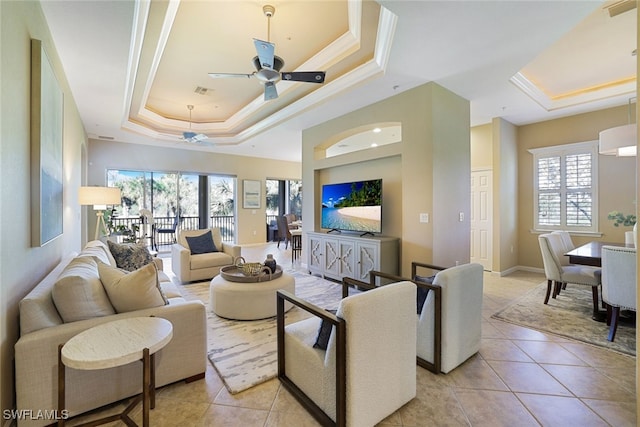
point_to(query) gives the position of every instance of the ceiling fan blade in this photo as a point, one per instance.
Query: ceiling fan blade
(224, 75)
(270, 91)
(266, 52)
(304, 76)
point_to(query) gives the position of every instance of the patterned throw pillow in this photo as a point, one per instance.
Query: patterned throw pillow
(129, 256)
(202, 244)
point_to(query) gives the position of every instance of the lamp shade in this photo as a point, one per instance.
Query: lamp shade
(99, 196)
(619, 141)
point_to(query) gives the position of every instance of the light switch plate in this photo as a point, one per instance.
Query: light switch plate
(424, 217)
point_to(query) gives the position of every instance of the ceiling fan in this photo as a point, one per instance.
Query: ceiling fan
(191, 136)
(268, 65)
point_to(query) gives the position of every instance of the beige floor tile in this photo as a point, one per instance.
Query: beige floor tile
(587, 382)
(204, 390)
(288, 419)
(490, 331)
(516, 332)
(624, 377)
(173, 413)
(548, 352)
(558, 411)
(475, 373)
(487, 408)
(232, 416)
(261, 396)
(619, 414)
(502, 349)
(433, 407)
(598, 356)
(528, 378)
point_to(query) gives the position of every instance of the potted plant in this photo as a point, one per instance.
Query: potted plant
(620, 219)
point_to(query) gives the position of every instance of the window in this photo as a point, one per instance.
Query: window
(565, 195)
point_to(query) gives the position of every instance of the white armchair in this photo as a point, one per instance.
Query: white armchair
(460, 290)
(618, 283)
(368, 370)
(189, 267)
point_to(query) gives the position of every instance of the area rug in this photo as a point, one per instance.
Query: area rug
(245, 352)
(568, 315)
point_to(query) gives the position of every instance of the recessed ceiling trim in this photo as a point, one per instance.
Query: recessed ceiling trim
(337, 50)
(384, 40)
(140, 14)
(579, 97)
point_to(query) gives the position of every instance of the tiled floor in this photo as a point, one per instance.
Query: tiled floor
(520, 377)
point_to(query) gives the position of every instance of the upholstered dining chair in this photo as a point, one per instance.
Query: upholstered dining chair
(367, 369)
(558, 271)
(284, 233)
(618, 283)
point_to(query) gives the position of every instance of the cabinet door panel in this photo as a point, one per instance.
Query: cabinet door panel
(331, 257)
(316, 254)
(347, 259)
(367, 260)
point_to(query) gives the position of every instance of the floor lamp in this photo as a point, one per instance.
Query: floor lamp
(99, 197)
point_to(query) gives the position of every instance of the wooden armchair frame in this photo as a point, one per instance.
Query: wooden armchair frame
(437, 324)
(341, 370)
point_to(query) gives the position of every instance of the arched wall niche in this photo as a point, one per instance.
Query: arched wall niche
(360, 138)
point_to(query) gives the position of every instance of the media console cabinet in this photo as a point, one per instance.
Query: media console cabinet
(347, 255)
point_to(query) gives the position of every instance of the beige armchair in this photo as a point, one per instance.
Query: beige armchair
(189, 267)
(368, 369)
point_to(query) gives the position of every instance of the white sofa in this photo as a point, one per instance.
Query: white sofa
(188, 267)
(42, 330)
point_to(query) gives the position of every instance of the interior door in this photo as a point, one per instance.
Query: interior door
(481, 218)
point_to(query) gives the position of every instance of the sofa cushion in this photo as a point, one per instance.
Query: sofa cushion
(201, 244)
(129, 256)
(99, 252)
(131, 291)
(100, 244)
(78, 293)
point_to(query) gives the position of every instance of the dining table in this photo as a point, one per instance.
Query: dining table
(590, 253)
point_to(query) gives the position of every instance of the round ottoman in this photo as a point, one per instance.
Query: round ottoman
(248, 301)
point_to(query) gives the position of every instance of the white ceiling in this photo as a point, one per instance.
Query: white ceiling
(133, 66)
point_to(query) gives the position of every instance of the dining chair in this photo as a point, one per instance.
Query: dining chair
(558, 272)
(284, 233)
(618, 283)
(567, 241)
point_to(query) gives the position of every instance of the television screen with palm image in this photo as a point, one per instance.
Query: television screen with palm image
(353, 206)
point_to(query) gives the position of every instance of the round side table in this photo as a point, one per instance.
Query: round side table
(114, 344)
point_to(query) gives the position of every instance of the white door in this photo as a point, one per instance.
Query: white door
(481, 217)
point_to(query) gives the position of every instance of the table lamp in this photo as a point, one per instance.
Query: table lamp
(99, 197)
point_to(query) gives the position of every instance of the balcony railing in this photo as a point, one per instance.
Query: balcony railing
(225, 223)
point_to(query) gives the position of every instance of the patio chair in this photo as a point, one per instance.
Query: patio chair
(618, 283)
(168, 230)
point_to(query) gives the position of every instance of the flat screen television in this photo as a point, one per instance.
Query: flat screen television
(353, 206)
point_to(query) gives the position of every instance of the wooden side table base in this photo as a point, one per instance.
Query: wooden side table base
(148, 395)
(112, 344)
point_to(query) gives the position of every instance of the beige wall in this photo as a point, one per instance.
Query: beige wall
(616, 175)
(482, 147)
(22, 266)
(431, 167)
(105, 155)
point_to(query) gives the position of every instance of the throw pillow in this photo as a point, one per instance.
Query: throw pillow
(132, 291)
(324, 333)
(130, 256)
(78, 293)
(422, 292)
(202, 244)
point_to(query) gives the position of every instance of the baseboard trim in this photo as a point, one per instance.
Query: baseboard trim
(518, 268)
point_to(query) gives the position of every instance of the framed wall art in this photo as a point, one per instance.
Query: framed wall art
(46, 149)
(251, 194)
